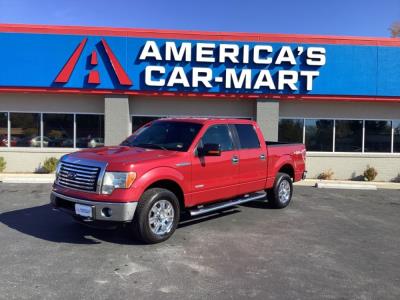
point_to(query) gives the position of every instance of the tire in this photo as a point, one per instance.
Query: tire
(153, 221)
(280, 200)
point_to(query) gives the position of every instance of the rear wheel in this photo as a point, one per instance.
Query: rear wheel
(156, 216)
(280, 195)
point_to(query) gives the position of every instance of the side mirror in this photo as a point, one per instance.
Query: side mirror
(210, 150)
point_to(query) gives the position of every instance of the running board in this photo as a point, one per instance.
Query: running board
(217, 206)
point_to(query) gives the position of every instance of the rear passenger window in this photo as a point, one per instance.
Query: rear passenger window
(218, 134)
(247, 136)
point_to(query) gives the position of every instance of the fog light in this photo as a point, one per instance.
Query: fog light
(106, 212)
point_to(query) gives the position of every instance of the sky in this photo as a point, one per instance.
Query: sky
(335, 17)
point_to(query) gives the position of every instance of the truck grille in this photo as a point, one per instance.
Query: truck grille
(80, 177)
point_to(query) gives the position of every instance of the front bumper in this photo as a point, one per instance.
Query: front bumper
(121, 212)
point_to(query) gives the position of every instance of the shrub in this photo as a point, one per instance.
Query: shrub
(50, 165)
(370, 173)
(326, 175)
(2, 164)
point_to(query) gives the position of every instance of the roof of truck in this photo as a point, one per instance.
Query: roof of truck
(208, 120)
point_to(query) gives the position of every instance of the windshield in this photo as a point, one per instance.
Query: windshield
(166, 135)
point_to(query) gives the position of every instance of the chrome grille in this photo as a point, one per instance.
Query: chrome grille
(77, 176)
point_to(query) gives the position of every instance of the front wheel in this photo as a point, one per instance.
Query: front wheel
(156, 216)
(280, 194)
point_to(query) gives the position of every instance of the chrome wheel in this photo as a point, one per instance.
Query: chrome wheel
(284, 191)
(161, 217)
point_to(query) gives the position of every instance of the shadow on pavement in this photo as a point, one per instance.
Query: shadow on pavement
(47, 224)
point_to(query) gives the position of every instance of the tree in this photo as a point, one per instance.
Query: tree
(395, 29)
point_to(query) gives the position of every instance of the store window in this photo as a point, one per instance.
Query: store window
(247, 136)
(138, 121)
(25, 130)
(290, 130)
(348, 136)
(89, 131)
(58, 130)
(396, 136)
(3, 129)
(378, 136)
(319, 135)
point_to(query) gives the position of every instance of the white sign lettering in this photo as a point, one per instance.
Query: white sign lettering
(232, 66)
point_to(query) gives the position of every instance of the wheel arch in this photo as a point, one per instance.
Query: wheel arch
(287, 168)
(172, 186)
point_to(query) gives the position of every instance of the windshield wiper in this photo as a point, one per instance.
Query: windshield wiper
(143, 145)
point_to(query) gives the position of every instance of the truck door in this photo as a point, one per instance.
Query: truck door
(253, 159)
(215, 177)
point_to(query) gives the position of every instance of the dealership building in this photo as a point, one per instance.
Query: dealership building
(66, 88)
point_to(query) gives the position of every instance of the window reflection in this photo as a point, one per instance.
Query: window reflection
(396, 141)
(290, 130)
(3, 129)
(89, 131)
(319, 135)
(378, 136)
(348, 136)
(25, 130)
(58, 130)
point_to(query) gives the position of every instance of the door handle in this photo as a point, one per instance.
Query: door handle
(262, 156)
(235, 159)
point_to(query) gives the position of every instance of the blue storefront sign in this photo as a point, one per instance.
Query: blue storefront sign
(137, 64)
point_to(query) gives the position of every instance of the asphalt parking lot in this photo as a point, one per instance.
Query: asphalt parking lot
(328, 244)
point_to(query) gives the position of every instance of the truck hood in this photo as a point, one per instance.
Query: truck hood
(123, 156)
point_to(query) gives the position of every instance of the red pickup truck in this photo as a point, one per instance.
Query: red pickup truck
(176, 165)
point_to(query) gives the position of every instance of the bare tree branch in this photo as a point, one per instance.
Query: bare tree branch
(395, 29)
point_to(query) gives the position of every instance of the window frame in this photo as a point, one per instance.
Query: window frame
(230, 133)
(237, 137)
(41, 128)
(393, 120)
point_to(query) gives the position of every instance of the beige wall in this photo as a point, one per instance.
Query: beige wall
(344, 166)
(26, 160)
(169, 106)
(349, 166)
(51, 103)
(351, 110)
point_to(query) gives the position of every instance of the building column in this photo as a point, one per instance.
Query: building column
(267, 116)
(116, 119)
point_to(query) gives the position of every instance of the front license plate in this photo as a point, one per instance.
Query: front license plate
(83, 210)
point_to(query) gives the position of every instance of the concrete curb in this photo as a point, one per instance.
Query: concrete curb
(345, 186)
(27, 178)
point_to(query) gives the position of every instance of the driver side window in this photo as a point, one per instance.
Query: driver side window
(218, 134)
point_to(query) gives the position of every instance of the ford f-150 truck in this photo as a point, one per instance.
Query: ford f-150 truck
(175, 165)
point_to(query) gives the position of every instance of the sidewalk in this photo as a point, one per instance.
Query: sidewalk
(344, 183)
(26, 178)
(49, 178)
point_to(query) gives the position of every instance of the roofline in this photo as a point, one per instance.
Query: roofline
(233, 96)
(199, 35)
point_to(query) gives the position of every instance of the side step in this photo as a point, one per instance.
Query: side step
(217, 206)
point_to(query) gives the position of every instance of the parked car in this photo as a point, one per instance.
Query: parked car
(33, 141)
(175, 165)
(95, 142)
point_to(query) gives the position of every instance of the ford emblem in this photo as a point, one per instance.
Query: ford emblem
(71, 175)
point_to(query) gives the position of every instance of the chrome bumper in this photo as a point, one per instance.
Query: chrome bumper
(121, 212)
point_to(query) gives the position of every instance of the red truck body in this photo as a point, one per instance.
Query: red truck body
(196, 180)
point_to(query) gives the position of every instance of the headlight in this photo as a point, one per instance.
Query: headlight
(117, 180)
(58, 168)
